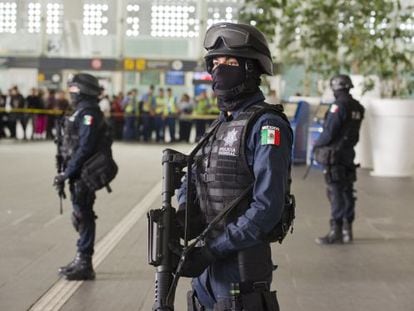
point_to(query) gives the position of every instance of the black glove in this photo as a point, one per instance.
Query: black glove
(196, 223)
(197, 261)
(59, 182)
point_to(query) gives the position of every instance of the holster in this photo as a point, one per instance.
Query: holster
(263, 300)
(192, 302)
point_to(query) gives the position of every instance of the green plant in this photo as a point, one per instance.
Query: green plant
(366, 37)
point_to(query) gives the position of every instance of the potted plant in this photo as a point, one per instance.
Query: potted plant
(365, 37)
(378, 40)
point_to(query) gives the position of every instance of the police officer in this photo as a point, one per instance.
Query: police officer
(340, 135)
(249, 148)
(83, 137)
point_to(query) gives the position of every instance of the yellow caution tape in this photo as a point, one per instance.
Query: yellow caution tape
(57, 112)
(33, 111)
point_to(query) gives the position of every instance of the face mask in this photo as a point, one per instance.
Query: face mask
(340, 93)
(75, 98)
(226, 77)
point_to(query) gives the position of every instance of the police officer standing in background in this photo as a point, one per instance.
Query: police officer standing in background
(84, 135)
(248, 156)
(340, 135)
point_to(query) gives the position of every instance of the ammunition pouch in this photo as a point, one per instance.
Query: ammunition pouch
(327, 155)
(99, 170)
(279, 232)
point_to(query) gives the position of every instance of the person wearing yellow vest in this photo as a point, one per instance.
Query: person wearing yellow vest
(170, 113)
(202, 108)
(160, 103)
(129, 107)
(148, 110)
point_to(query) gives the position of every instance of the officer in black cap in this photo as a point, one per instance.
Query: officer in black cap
(83, 137)
(247, 156)
(340, 135)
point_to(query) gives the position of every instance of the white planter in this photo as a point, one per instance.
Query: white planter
(392, 137)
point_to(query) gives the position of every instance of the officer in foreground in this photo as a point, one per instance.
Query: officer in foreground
(85, 133)
(335, 150)
(249, 149)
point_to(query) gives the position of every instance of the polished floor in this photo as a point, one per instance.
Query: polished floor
(375, 273)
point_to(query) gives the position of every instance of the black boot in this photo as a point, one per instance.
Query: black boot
(64, 269)
(81, 269)
(334, 235)
(347, 235)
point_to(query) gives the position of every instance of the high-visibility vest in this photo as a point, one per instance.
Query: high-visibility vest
(202, 106)
(159, 104)
(146, 107)
(170, 108)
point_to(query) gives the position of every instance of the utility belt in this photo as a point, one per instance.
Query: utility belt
(99, 170)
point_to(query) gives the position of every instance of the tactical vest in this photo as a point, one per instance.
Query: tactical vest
(222, 170)
(350, 134)
(70, 137)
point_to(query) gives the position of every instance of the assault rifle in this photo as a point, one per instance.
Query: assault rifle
(162, 226)
(60, 160)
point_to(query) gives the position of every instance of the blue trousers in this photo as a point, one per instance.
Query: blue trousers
(82, 203)
(342, 200)
(129, 131)
(170, 123)
(214, 284)
(147, 125)
(159, 128)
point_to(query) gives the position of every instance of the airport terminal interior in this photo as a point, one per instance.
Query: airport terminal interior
(135, 47)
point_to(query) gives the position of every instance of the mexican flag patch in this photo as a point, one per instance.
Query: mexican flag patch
(270, 135)
(87, 119)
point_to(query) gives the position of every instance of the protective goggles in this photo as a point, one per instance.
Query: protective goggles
(232, 38)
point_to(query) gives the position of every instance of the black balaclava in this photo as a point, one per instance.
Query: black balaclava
(76, 98)
(233, 83)
(341, 93)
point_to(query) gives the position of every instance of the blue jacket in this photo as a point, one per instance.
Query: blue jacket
(270, 165)
(345, 114)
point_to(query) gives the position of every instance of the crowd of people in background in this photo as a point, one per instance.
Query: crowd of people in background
(157, 115)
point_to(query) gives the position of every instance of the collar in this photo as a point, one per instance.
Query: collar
(86, 104)
(257, 97)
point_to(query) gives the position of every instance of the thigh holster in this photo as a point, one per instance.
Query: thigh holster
(192, 302)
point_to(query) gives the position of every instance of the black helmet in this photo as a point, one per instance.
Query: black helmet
(87, 84)
(238, 40)
(341, 82)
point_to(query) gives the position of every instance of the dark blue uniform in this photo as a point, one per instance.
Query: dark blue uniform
(341, 129)
(83, 131)
(270, 166)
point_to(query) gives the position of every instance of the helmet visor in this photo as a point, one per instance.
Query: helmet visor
(232, 38)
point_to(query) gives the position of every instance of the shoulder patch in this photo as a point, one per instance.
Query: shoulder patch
(334, 108)
(87, 119)
(270, 135)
